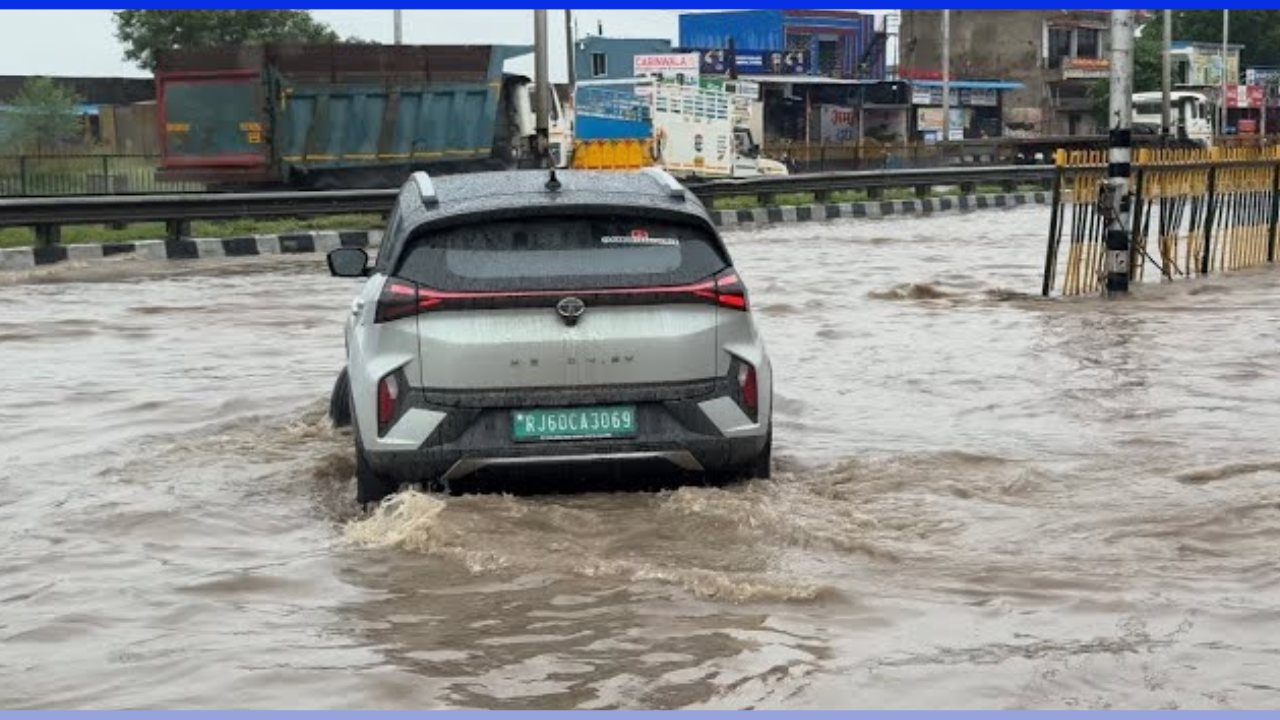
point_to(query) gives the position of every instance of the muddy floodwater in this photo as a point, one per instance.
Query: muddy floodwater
(982, 499)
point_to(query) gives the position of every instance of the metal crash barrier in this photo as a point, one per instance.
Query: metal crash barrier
(1195, 212)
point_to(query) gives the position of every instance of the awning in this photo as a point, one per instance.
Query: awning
(971, 84)
(805, 80)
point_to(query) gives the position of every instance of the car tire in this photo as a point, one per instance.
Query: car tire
(757, 468)
(371, 488)
(340, 401)
(762, 467)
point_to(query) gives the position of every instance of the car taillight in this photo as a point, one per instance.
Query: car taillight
(400, 299)
(726, 290)
(388, 394)
(749, 389)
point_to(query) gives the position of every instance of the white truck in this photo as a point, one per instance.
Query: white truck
(1192, 115)
(688, 130)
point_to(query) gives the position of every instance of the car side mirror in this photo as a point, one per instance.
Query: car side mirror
(348, 262)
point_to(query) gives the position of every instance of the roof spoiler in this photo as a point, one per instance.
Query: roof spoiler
(673, 187)
(425, 188)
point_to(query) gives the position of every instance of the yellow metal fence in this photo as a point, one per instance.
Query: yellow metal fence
(1194, 212)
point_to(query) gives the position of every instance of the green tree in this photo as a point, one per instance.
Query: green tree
(1148, 49)
(1257, 30)
(146, 32)
(44, 115)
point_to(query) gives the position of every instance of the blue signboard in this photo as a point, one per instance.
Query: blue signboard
(753, 62)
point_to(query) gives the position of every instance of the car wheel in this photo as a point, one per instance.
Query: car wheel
(761, 467)
(371, 487)
(340, 401)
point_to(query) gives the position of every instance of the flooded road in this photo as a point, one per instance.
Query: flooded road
(982, 500)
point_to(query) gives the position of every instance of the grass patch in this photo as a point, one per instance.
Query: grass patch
(735, 202)
(849, 196)
(76, 234)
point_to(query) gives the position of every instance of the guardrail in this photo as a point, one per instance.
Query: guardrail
(48, 214)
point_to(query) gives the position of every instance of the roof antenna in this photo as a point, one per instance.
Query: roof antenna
(553, 184)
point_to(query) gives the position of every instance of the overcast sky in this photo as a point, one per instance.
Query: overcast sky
(82, 42)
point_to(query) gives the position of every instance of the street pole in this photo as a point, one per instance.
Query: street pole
(1266, 98)
(1166, 76)
(1114, 200)
(398, 24)
(541, 86)
(946, 75)
(1222, 111)
(572, 72)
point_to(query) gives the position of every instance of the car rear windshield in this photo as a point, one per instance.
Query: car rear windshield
(549, 253)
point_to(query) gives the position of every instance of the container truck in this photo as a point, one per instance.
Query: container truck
(344, 116)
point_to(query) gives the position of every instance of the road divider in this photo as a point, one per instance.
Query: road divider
(876, 209)
(28, 258)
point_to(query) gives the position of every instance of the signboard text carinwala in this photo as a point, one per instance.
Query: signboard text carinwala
(686, 64)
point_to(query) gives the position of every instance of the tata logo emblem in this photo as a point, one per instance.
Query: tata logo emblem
(570, 309)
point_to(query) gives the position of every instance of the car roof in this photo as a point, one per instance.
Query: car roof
(429, 200)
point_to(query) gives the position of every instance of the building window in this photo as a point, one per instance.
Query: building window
(1059, 46)
(829, 58)
(1087, 43)
(598, 66)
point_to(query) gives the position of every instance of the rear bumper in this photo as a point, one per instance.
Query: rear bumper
(673, 436)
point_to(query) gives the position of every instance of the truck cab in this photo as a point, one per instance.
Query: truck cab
(523, 124)
(1191, 115)
(747, 161)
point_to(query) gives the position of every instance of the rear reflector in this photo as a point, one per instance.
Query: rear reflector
(388, 394)
(749, 389)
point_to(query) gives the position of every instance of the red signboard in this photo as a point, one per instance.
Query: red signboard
(1245, 96)
(910, 73)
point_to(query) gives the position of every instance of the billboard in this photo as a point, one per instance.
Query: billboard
(1245, 96)
(718, 61)
(668, 65)
(969, 97)
(838, 124)
(1084, 68)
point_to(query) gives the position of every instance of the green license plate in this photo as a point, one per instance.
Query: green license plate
(585, 423)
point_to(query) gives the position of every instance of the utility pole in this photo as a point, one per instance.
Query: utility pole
(541, 86)
(398, 25)
(1222, 111)
(572, 72)
(946, 75)
(1113, 199)
(1166, 76)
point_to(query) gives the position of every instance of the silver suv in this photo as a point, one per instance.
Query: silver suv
(572, 321)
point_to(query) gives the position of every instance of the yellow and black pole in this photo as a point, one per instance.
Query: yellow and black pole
(1114, 200)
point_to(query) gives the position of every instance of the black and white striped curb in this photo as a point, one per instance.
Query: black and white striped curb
(324, 241)
(876, 208)
(193, 249)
